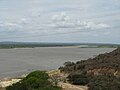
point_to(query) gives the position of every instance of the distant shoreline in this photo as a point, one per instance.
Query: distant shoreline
(10, 45)
(57, 47)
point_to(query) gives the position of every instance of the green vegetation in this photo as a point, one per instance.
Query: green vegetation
(106, 82)
(99, 82)
(37, 80)
(101, 46)
(78, 79)
(99, 73)
(9, 45)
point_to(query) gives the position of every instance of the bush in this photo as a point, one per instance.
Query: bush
(78, 79)
(39, 75)
(37, 80)
(104, 83)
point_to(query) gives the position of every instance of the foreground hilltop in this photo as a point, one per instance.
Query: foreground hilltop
(99, 73)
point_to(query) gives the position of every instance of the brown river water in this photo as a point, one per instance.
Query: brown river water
(15, 62)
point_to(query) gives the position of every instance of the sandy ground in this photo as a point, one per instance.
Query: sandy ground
(65, 86)
(68, 86)
(6, 83)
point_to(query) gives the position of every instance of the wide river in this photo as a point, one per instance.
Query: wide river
(14, 62)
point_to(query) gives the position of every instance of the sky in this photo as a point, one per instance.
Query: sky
(81, 21)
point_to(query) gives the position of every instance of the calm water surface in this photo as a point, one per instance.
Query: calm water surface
(14, 62)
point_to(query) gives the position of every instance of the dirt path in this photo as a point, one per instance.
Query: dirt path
(67, 86)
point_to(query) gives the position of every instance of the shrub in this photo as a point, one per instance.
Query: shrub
(104, 83)
(78, 79)
(37, 80)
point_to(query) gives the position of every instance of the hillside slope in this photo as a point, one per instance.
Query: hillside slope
(108, 63)
(99, 73)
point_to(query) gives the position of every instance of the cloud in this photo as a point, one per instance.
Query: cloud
(9, 25)
(62, 17)
(22, 25)
(92, 25)
(63, 21)
(59, 23)
(23, 21)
